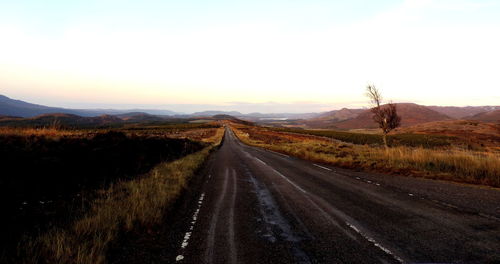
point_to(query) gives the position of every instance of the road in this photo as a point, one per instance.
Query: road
(257, 206)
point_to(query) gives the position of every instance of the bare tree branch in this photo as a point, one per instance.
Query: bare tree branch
(385, 116)
(374, 94)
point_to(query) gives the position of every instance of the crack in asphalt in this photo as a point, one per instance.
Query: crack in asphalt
(275, 222)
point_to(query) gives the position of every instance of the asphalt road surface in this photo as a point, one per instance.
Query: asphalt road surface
(257, 206)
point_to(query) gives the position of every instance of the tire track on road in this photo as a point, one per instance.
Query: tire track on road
(209, 253)
(334, 213)
(232, 246)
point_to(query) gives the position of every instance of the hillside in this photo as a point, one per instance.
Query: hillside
(61, 119)
(471, 131)
(492, 116)
(214, 112)
(330, 118)
(12, 107)
(139, 117)
(340, 115)
(411, 114)
(464, 112)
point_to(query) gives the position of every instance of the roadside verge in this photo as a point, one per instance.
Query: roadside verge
(120, 208)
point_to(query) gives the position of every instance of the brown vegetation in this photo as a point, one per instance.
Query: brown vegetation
(443, 163)
(125, 204)
(463, 112)
(474, 134)
(328, 119)
(411, 114)
(103, 214)
(492, 116)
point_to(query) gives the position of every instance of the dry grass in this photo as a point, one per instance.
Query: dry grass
(125, 204)
(193, 132)
(48, 132)
(457, 165)
(448, 164)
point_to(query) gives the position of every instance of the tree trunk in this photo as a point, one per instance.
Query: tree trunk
(385, 140)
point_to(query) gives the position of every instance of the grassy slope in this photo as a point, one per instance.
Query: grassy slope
(410, 140)
(137, 202)
(441, 163)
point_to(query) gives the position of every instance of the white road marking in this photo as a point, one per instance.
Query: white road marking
(319, 166)
(281, 154)
(282, 176)
(188, 234)
(374, 242)
(346, 218)
(291, 182)
(370, 239)
(260, 161)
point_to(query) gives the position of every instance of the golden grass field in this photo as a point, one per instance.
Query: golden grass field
(446, 163)
(47, 132)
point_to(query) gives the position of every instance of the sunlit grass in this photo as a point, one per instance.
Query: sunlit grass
(409, 140)
(47, 132)
(449, 164)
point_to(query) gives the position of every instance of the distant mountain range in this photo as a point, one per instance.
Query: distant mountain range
(12, 107)
(329, 119)
(491, 116)
(17, 108)
(412, 114)
(214, 112)
(463, 112)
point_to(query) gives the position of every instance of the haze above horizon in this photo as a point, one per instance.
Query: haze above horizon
(304, 56)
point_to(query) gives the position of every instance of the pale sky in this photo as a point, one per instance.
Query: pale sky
(304, 56)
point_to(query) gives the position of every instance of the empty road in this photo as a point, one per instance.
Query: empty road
(257, 206)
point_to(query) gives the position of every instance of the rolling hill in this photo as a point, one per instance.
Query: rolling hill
(491, 116)
(464, 112)
(214, 112)
(411, 114)
(471, 131)
(330, 118)
(12, 107)
(340, 115)
(61, 119)
(140, 117)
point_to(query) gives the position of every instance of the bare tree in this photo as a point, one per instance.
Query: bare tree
(385, 116)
